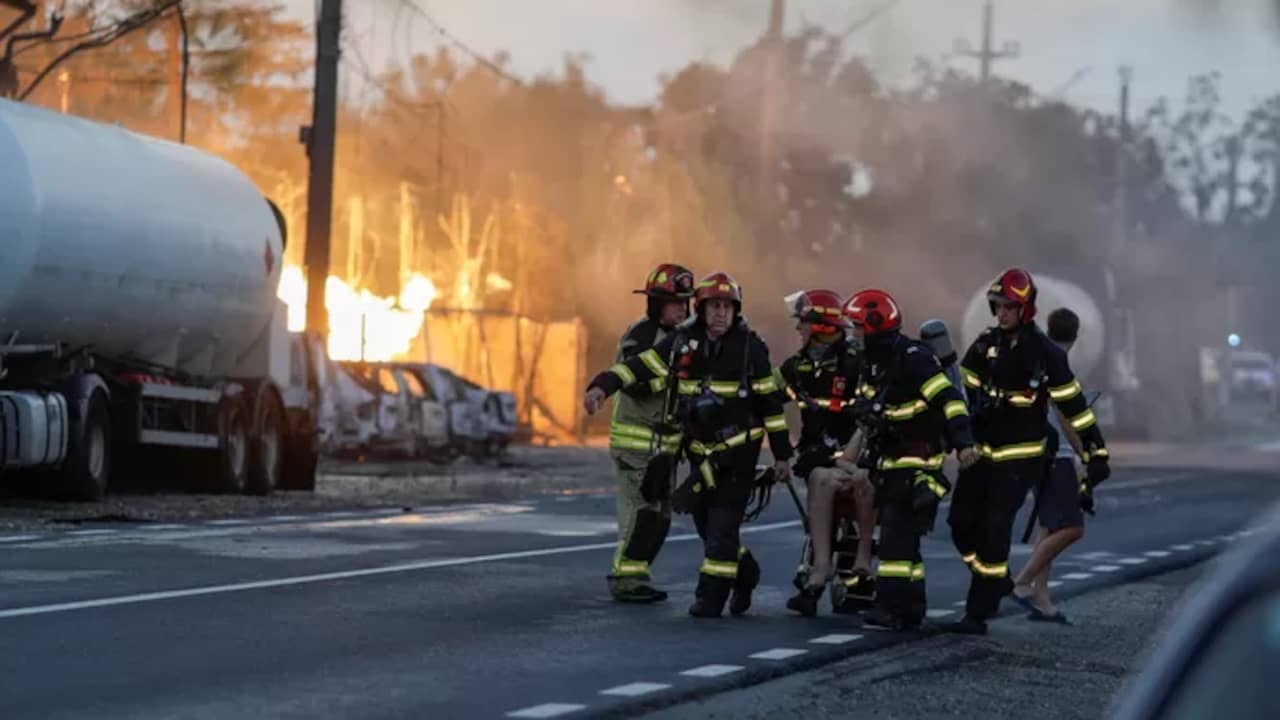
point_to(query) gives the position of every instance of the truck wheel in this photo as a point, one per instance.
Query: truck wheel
(266, 456)
(87, 467)
(300, 465)
(231, 470)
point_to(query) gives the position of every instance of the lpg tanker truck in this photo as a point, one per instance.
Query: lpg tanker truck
(138, 314)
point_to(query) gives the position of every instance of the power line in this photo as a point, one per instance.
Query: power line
(466, 49)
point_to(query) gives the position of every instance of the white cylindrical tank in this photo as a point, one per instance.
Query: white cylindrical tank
(135, 246)
(1054, 293)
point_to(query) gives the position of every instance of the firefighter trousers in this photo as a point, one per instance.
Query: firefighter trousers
(900, 584)
(718, 517)
(983, 510)
(642, 525)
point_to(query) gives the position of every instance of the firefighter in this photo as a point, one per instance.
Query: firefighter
(912, 415)
(638, 449)
(1011, 372)
(822, 377)
(726, 399)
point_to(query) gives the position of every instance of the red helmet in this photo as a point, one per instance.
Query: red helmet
(875, 311)
(668, 281)
(819, 308)
(1014, 286)
(718, 285)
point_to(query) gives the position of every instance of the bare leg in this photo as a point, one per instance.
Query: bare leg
(864, 497)
(823, 483)
(1034, 578)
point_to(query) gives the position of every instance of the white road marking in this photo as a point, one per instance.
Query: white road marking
(1105, 568)
(339, 515)
(163, 527)
(777, 654)
(1077, 576)
(84, 533)
(546, 710)
(1132, 561)
(635, 689)
(1055, 583)
(940, 613)
(285, 518)
(1182, 548)
(836, 639)
(960, 603)
(1157, 553)
(567, 498)
(18, 538)
(342, 575)
(710, 671)
(1097, 555)
(229, 522)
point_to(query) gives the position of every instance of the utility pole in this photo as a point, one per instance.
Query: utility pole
(987, 54)
(320, 138)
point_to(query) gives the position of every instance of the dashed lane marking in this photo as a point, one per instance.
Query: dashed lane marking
(635, 689)
(1105, 568)
(835, 639)
(1132, 561)
(940, 613)
(710, 671)
(1182, 547)
(547, 710)
(777, 654)
(1055, 583)
(86, 533)
(1157, 553)
(1077, 576)
(18, 538)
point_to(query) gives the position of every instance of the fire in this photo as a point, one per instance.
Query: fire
(361, 325)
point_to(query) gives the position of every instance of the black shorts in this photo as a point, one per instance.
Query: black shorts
(1060, 504)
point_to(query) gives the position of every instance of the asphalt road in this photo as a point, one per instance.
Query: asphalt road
(480, 610)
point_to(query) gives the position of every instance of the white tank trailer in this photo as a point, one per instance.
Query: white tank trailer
(138, 312)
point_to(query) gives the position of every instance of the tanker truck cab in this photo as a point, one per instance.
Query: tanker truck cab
(139, 324)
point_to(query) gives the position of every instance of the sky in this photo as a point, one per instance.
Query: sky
(1071, 48)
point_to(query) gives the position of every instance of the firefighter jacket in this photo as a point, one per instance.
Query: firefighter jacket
(638, 409)
(1010, 377)
(727, 392)
(824, 389)
(919, 411)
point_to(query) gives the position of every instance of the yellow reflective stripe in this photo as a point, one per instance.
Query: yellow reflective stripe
(719, 568)
(775, 423)
(617, 442)
(1022, 399)
(764, 386)
(658, 384)
(971, 378)
(906, 411)
(894, 569)
(928, 480)
(969, 558)
(700, 448)
(688, 387)
(954, 409)
(912, 463)
(935, 385)
(1065, 392)
(727, 388)
(1019, 451)
(631, 568)
(997, 570)
(1084, 420)
(917, 572)
(1096, 453)
(624, 374)
(636, 431)
(654, 362)
(707, 475)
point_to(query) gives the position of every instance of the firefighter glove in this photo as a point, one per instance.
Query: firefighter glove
(1097, 470)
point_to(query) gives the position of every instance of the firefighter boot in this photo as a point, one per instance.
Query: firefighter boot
(805, 601)
(880, 618)
(641, 594)
(860, 594)
(967, 625)
(747, 580)
(710, 596)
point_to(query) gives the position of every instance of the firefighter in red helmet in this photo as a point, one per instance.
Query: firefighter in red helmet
(1011, 373)
(910, 414)
(724, 397)
(642, 454)
(822, 377)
